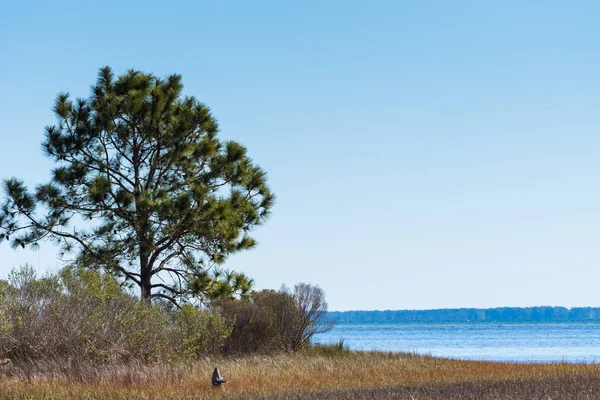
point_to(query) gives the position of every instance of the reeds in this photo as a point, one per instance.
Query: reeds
(314, 374)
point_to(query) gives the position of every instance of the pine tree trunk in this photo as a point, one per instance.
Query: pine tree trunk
(145, 278)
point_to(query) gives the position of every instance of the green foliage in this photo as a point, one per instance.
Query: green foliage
(202, 332)
(86, 316)
(146, 333)
(221, 285)
(165, 197)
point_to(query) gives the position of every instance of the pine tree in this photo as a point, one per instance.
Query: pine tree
(142, 188)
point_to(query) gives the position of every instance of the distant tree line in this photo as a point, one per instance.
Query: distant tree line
(501, 314)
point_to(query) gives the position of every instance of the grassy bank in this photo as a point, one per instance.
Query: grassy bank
(312, 374)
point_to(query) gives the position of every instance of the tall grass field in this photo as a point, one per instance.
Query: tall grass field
(317, 373)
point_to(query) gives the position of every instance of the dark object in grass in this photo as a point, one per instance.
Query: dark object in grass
(217, 379)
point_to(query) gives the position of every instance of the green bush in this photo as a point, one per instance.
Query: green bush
(82, 317)
(201, 332)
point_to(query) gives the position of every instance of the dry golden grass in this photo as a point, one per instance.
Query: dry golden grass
(312, 374)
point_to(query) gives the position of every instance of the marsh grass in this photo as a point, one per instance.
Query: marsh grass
(329, 373)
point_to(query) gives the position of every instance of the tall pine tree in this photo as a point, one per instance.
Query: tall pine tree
(143, 188)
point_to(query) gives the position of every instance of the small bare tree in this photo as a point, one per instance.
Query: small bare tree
(313, 316)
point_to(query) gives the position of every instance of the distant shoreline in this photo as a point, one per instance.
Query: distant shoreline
(447, 315)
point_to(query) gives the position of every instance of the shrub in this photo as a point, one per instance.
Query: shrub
(26, 303)
(286, 313)
(200, 332)
(79, 315)
(253, 327)
(269, 320)
(313, 314)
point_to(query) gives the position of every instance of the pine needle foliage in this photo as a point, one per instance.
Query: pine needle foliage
(142, 188)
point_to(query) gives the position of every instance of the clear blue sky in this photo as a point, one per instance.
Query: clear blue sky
(425, 154)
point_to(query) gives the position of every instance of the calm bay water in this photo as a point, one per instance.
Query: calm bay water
(521, 342)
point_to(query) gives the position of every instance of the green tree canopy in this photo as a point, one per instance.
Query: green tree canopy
(142, 188)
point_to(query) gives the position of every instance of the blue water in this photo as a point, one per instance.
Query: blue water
(521, 342)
